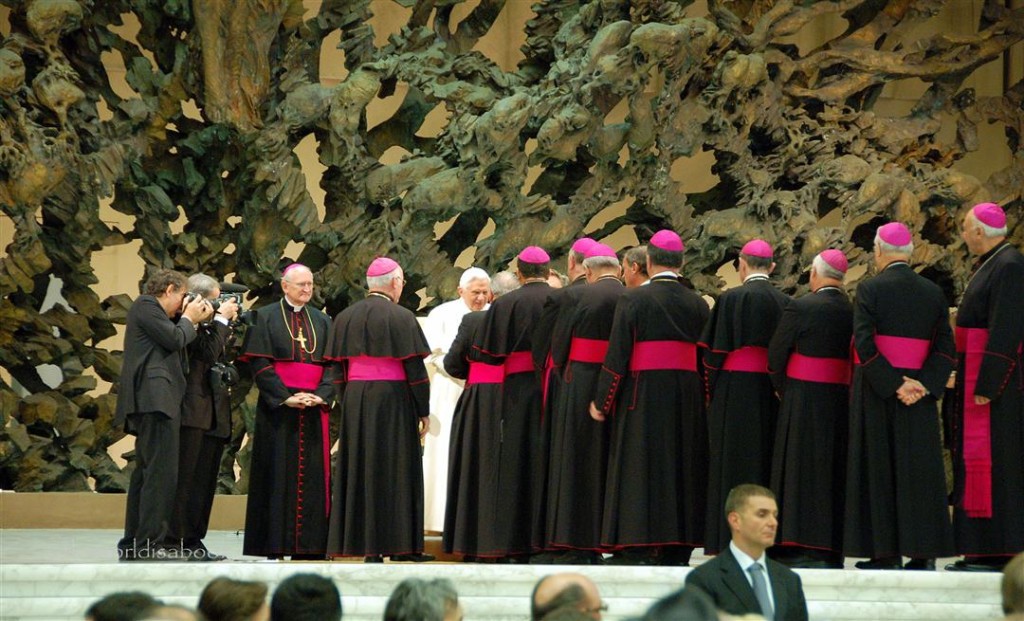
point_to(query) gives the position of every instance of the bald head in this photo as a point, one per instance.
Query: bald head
(565, 590)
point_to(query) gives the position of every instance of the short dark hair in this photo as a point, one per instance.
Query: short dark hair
(302, 597)
(122, 606)
(224, 599)
(637, 255)
(158, 282)
(739, 495)
(666, 258)
(569, 597)
(757, 263)
(534, 270)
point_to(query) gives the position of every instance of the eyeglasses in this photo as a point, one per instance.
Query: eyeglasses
(300, 285)
(602, 607)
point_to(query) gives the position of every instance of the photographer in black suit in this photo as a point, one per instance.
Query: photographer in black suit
(149, 397)
(205, 421)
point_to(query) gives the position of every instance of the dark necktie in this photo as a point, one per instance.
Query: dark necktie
(761, 591)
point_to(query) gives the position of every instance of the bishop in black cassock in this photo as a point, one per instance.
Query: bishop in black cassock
(553, 327)
(809, 362)
(896, 485)
(377, 502)
(988, 519)
(287, 507)
(579, 444)
(649, 392)
(475, 443)
(743, 408)
(505, 339)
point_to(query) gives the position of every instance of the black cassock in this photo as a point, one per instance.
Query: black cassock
(377, 504)
(473, 448)
(287, 505)
(578, 460)
(505, 338)
(993, 301)
(809, 462)
(896, 484)
(657, 461)
(551, 333)
(743, 408)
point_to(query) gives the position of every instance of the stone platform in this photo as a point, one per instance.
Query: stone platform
(57, 574)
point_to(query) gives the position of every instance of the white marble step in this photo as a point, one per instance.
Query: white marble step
(49, 591)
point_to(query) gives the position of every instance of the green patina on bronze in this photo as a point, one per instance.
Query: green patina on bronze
(794, 134)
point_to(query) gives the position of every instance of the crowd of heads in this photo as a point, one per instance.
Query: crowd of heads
(565, 596)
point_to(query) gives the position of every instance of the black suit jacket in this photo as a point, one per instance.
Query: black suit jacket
(202, 408)
(152, 372)
(724, 580)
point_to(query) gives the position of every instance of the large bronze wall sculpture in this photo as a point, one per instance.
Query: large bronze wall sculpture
(794, 134)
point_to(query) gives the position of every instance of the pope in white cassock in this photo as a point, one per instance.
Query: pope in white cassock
(440, 327)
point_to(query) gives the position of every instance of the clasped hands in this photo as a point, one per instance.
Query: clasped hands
(911, 391)
(303, 400)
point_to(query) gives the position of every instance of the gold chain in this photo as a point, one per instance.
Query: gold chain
(301, 340)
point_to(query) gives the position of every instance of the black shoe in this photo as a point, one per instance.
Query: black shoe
(309, 557)
(675, 556)
(544, 558)
(632, 556)
(374, 558)
(888, 562)
(162, 554)
(920, 564)
(972, 565)
(514, 559)
(415, 557)
(578, 557)
(797, 558)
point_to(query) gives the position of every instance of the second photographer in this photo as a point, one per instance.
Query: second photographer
(205, 421)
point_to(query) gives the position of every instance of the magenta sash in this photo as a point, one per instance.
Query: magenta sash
(588, 350)
(977, 426)
(663, 355)
(374, 369)
(819, 370)
(518, 362)
(749, 359)
(302, 375)
(903, 352)
(482, 373)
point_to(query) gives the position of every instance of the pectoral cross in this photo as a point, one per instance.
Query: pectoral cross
(301, 339)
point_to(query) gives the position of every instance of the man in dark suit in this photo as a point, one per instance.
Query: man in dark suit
(205, 423)
(737, 579)
(149, 398)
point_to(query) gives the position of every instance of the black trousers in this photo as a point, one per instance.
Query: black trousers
(151, 490)
(198, 466)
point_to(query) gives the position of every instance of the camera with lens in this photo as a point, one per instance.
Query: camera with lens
(214, 303)
(225, 297)
(223, 375)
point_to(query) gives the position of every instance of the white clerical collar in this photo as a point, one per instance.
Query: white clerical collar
(755, 277)
(668, 273)
(293, 306)
(744, 559)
